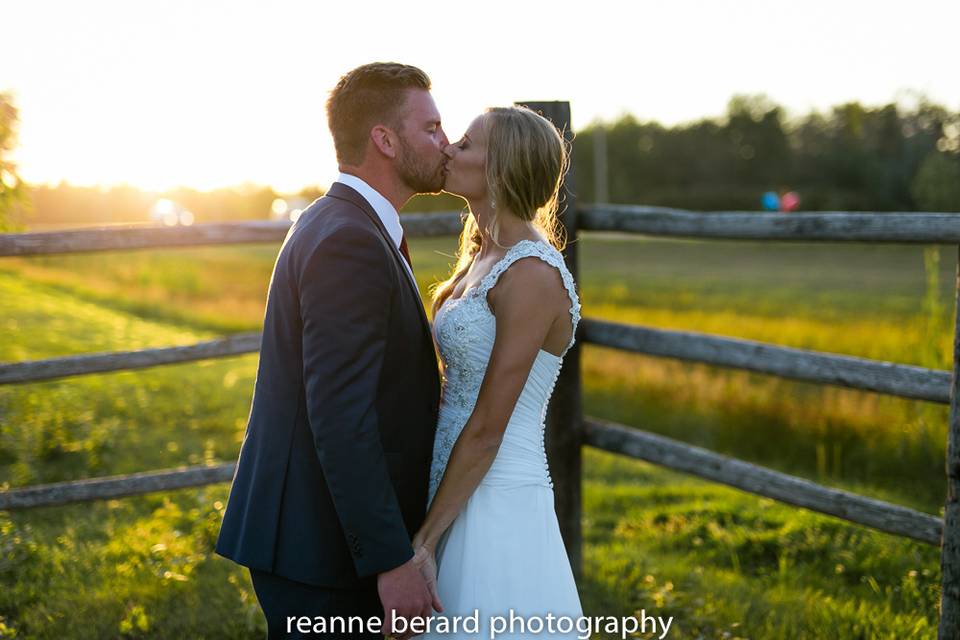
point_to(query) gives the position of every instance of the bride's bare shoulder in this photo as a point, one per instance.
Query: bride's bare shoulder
(529, 282)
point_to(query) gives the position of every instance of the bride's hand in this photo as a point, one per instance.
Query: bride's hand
(424, 558)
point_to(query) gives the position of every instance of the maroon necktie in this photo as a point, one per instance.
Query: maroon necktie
(405, 251)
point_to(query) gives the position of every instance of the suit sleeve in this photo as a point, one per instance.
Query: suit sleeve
(345, 297)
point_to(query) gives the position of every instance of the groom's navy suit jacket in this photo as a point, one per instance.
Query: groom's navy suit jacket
(332, 477)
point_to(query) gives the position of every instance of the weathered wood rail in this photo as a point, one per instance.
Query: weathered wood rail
(53, 368)
(836, 226)
(667, 452)
(568, 428)
(149, 236)
(133, 484)
(905, 381)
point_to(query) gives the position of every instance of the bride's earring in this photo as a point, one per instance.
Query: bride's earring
(493, 202)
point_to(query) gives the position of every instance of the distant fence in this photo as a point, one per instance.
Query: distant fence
(568, 428)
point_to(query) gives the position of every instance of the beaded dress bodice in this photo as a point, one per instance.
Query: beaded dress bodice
(465, 329)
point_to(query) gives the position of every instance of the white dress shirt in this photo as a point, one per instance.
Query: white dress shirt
(388, 215)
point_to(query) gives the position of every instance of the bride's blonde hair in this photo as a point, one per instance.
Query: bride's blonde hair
(526, 160)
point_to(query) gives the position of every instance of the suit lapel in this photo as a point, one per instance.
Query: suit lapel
(343, 192)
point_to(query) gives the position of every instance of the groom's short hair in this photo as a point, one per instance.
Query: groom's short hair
(366, 96)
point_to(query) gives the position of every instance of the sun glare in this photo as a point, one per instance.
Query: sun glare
(160, 95)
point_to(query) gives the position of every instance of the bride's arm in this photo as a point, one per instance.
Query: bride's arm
(525, 301)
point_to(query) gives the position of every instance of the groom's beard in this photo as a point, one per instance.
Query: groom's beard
(418, 174)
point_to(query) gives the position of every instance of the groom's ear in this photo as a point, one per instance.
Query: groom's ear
(385, 140)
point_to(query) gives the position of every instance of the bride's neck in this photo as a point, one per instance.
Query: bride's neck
(511, 229)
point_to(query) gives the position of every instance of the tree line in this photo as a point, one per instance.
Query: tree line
(854, 157)
(851, 158)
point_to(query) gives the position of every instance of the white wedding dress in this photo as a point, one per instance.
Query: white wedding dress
(504, 551)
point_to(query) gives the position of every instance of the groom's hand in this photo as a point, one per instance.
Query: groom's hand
(404, 594)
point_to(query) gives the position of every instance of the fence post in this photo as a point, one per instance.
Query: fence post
(564, 433)
(950, 546)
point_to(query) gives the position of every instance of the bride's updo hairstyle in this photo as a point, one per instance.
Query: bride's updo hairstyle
(526, 160)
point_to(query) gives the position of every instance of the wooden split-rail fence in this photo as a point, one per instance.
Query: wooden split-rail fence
(568, 430)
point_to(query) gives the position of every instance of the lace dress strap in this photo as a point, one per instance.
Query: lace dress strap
(547, 253)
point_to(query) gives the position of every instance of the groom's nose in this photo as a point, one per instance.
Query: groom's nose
(444, 143)
(449, 150)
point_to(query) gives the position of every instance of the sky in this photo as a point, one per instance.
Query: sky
(209, 94)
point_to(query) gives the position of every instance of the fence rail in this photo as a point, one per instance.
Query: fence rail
(61, 493)
(905, 381)
(574, 430)
(752, 478)
(607, 436)
(901, 380)
(911, 228)
(148, 236)
(53, 368)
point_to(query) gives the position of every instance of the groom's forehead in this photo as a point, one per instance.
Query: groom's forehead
(421, 107)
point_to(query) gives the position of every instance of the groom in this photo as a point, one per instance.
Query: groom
(332, 477)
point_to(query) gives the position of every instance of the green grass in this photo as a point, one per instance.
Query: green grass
(727, 564)
(724, 563)
(144, 565)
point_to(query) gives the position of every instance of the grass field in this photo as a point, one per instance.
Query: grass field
(724, 563)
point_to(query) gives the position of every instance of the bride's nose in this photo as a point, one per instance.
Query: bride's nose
(450, 150)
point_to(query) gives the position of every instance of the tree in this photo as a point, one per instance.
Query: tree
(758, 151)
(12, 195)
(936, 186)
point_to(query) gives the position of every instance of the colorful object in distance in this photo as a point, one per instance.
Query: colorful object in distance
(789, 201)
(770, 201)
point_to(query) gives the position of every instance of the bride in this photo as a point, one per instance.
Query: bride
(503, 322)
